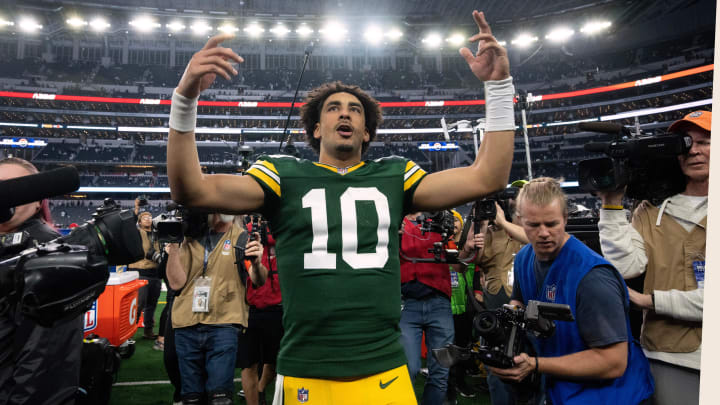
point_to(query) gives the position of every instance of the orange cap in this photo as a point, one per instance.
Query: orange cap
(701, 119)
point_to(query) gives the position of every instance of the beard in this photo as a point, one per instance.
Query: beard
(344, 148)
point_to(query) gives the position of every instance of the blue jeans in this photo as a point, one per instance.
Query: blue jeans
(434, 316)
(206, 355)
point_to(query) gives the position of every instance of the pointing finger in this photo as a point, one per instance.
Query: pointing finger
(216, 40)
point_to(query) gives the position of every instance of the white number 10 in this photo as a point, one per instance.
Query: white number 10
(320, 258)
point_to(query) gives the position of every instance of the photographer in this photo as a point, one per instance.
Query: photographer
(504, 239)
(667, 244)
(148, 269)
(259, 343)
(594, 359)
(38, 365)
(211, 305)
(426, 291)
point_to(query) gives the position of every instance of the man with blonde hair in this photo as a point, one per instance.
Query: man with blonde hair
(594, 359)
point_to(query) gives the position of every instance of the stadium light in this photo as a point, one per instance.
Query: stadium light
(144, 24)
(99, 24)
(432, 40)
(303, 30)
(334, 32)
(76, 22)
(254, 30)
(394, 34)
(200, 27)
(5, 23)
(373, 34)
(280, 30)
(228, 28)
(175, 26)
(456, 39)
(502, 43)
(28, 24)
(524, 40)
(560, 34)
(595, 27)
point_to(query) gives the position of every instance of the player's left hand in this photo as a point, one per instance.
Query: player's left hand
(524, 365)
(490, 62)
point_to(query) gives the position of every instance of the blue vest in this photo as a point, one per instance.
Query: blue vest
(573, 262)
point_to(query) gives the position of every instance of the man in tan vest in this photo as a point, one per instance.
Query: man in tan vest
(667, 243)
(210, 306)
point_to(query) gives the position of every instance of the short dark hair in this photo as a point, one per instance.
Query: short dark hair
(310, 111)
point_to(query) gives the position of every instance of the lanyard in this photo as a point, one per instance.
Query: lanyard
(207, 253)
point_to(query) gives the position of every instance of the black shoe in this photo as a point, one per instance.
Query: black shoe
(241, 394)
(261, 398)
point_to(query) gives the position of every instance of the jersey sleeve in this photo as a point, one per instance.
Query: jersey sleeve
(413, 175)
(267, 175)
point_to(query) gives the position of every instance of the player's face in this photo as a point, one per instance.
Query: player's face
(23, 212)
(544, 227)
(696, 164)
(341, 129)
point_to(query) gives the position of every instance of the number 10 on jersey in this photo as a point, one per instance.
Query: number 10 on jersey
(320, 257)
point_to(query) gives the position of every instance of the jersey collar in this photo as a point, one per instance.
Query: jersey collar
(340, 170)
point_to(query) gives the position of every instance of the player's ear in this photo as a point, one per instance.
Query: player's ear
(366, 136)
(316, 131)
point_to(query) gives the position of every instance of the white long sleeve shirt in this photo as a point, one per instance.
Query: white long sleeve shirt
(624, 247)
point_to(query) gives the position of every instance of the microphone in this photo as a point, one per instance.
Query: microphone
(36, 187)
(604, 127)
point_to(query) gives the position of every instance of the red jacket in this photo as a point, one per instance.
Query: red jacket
(269, 293)
(416, 245)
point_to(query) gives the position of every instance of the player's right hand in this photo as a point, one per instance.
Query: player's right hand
(206, 64)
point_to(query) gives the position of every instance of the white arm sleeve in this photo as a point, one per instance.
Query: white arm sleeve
(683, 305)
(621, 244)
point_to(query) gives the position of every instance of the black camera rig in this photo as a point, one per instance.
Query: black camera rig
(60, 279)
(442, 223)
(503, 333)
(647, 166)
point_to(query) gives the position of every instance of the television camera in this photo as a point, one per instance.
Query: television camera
(647, 165)
(60, 279)
(503, 335)
(443, 223)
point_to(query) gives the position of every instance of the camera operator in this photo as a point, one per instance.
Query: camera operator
(38, 365)
(594, 359)
(148, 268)
(426, 291)
(259, 343)
(211, 306)
(504, 239)
(667, 243)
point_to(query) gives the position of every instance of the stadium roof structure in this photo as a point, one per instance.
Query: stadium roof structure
(411, 13)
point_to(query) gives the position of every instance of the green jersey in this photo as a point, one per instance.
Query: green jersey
(336, 234)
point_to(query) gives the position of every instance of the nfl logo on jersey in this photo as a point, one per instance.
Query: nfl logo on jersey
(303, 395)
(550, 292)
(226, 247)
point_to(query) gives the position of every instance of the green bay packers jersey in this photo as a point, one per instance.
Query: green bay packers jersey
(336, 235)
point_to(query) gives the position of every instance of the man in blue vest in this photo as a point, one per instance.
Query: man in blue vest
(593, 360)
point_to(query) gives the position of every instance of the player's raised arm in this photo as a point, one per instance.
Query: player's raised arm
(491, 169)
(188, 185)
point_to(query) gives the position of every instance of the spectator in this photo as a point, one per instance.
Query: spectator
(148, 294)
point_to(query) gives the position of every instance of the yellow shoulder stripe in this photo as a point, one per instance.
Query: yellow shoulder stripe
(269, 181)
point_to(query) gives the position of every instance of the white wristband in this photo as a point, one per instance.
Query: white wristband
(183, 113)
(499, 98)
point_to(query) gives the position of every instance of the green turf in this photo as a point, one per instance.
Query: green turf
(147, 365)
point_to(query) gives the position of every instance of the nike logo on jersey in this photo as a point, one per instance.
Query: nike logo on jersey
(383, 386)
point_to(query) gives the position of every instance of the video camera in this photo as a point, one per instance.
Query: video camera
(179, 222)
(443, 223)
(60, 279)
(647, 166)
(485, 210)
(503, 333)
